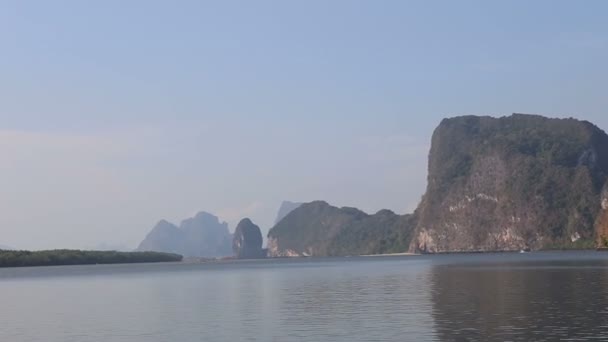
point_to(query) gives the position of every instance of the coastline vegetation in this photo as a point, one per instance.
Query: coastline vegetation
(12, 258)
(582, 244)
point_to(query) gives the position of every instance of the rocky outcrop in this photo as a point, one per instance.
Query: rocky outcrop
(286, 208)
(512, 183)
(247, 241)
(200, 236)
(319, 229)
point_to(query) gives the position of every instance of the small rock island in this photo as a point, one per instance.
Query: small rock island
(247, 241)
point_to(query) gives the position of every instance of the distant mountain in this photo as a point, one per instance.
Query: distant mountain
(164, 237)
(247, 241)
(206, 236)
(319, 229)
(286, 208)
(6, 248)
(200, 236)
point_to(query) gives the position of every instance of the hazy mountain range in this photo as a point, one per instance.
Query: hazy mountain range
(205, 236)
(200, 236)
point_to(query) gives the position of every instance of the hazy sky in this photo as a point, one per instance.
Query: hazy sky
(115, 114)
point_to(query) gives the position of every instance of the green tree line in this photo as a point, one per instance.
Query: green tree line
(10, 258)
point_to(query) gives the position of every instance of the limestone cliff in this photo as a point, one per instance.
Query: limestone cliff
(511, 183)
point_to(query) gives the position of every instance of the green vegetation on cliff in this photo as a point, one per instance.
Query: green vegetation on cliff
(319, 229)
(382, 233)
(77, 257)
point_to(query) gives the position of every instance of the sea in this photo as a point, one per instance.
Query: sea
(545, 296)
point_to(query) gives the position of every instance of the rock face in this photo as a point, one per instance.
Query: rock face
(319, 229)
(602, 220)
(200, 236)
(247, 241)
(511, 183)
(286, 208)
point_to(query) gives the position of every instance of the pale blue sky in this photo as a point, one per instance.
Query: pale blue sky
(115, 114)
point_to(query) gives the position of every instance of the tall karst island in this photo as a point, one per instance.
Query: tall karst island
(517, 182)
(494, 184)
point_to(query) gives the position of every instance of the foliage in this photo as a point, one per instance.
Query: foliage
(77, 257)
(320, 229)
(382, 233)
(567, 143)
(579, 244)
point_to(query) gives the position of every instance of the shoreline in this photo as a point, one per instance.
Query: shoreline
(390, 254)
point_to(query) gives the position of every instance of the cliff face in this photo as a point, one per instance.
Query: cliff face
(200, 236)
(319, 229)
(247, 241)
(510, 183)
(602, 220)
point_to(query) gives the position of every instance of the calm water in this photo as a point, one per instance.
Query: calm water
(498, 297)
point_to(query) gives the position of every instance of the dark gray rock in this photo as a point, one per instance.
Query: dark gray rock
(247, 241)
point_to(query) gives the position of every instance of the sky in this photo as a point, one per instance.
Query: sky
(116, 114)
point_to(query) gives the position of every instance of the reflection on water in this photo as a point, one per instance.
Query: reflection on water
(358, 304)
(521, 301)
(501, 297)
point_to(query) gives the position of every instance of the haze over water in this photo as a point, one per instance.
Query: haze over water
(493, 297)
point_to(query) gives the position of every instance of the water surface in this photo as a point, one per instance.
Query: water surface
(479, 297)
